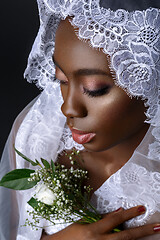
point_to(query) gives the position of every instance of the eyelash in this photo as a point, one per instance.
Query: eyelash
(94, 93)
(60, 81)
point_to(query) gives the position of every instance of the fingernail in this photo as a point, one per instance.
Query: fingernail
(119, 209)
(156, 228)
(141, 209)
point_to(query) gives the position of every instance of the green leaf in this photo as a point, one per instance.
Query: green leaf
(92, 214)
(18, 179)
(37, 162)
(45, 163)
(26, 158)
(53, 166)
(33, 203)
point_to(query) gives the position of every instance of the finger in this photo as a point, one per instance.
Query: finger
(136, 233)
(112, 220)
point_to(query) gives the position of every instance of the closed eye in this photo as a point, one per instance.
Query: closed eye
(63, 82)
(94, 93)
(98, 92)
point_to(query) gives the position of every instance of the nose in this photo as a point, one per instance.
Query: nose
(73, 105)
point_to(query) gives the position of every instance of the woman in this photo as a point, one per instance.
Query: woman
(101, 116)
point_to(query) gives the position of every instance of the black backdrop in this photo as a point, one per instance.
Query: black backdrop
(19, 25)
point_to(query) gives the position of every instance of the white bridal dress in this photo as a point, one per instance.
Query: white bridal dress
(136, 183)
(131, 38)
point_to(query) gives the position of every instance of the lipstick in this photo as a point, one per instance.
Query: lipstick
(81, 137)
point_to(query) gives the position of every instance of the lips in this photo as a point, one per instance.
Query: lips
(81, 137)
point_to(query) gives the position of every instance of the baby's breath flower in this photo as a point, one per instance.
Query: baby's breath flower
(59, 194)
(71, 169)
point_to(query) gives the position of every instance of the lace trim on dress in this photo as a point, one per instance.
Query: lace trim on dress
(131, 39)
(132, 185)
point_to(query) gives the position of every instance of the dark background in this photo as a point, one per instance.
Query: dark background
(19, 25)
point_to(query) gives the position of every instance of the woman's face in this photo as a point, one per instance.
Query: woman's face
(93, 104)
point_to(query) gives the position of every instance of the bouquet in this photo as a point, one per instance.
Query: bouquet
(60, 193)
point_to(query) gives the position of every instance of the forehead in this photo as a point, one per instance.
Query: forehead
(72, 53)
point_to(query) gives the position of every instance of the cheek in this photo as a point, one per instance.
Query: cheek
(118, 113)
(116, 120)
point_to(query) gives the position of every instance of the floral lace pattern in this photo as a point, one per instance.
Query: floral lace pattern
(131, 39)
(154, 148)
(132, 185)
(42, 127)
(43, 133)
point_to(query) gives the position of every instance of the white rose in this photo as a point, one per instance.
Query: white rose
(44, 194)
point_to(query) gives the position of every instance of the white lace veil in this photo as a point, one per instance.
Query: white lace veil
(127, 31)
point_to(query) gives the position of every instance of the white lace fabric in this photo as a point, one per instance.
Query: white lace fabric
(136, 183)
(132, 40)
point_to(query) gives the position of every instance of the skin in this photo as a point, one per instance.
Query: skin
(117, 120)
(101, 230)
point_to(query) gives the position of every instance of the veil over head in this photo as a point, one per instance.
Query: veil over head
(128, 32)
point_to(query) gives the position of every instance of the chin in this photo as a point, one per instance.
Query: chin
(93, 147)
(97, 145)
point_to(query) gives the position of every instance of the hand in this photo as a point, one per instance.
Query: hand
(101, 230)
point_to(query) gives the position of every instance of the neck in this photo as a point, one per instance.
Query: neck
(111, 160)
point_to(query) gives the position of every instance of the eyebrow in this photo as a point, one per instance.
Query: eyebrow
(85, 71)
